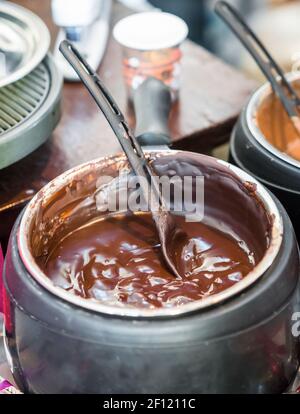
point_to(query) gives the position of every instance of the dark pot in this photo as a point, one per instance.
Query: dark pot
(238, 343)
(250, 151)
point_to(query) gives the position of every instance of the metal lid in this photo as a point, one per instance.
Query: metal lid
(24, 42)
(29, 111)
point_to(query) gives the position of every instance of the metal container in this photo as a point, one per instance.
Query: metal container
(239, 341)
(250, 151)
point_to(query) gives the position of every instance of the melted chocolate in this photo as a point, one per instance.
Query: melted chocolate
(276, 125)
(118, 259)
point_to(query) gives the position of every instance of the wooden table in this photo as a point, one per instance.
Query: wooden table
(211, 97)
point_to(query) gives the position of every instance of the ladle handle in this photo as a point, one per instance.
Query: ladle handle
(260, 54)
(110, 110)
(152, 104)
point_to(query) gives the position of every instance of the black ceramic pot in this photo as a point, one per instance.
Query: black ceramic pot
(240, 340)
(238, 343)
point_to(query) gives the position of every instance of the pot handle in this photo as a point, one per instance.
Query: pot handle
(152, 104)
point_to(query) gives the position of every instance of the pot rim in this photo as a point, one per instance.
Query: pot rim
(251, 120)
(131, 311)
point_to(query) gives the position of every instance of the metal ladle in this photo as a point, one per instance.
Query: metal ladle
(167, 229)
(272, 71)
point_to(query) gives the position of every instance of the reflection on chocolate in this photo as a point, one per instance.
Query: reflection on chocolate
(119, 259)
(276, 125)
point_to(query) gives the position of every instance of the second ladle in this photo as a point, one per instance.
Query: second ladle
(166, 227)
(283, 89)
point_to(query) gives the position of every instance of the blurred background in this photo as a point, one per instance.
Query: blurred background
(275, 21)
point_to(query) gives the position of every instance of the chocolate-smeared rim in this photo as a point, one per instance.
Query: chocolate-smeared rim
(276, 234)
(259, 95)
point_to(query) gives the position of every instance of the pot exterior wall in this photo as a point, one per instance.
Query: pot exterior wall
(240, 346)
(262, 360)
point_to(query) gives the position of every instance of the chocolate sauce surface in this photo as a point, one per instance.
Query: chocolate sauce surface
(276, 125)
(118, 259)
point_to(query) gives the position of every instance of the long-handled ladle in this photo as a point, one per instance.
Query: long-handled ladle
(166, 227)
(283, 89)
